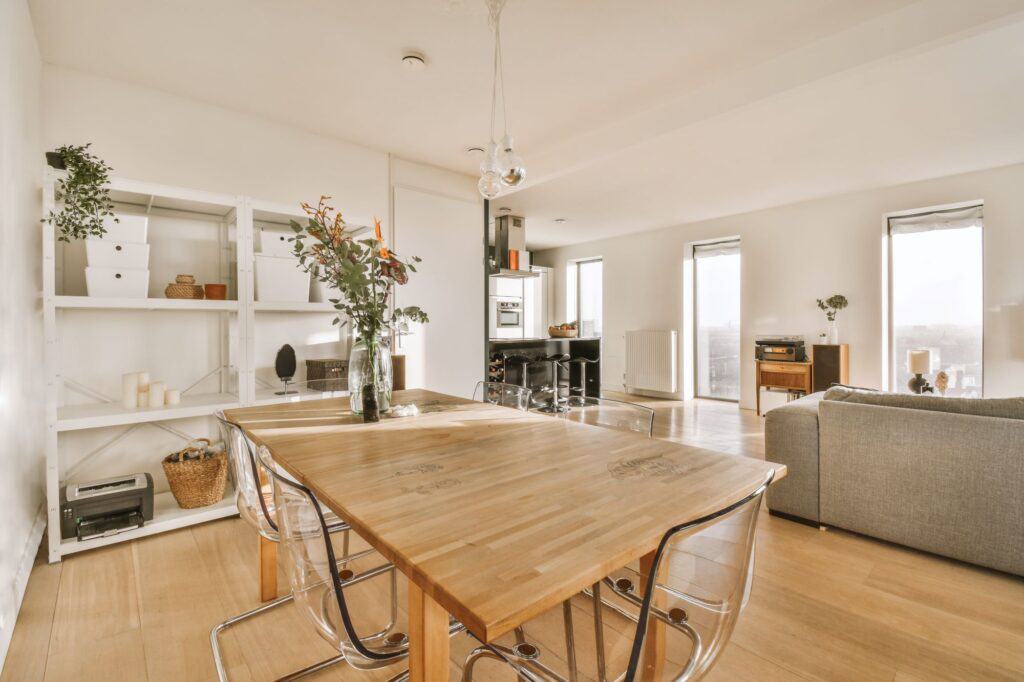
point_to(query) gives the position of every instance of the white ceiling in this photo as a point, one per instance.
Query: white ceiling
(630, 114)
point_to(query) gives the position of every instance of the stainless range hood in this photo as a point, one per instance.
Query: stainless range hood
(511, 259)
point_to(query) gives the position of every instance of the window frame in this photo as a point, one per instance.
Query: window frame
(696, 317)
(575, 264)
(889, 366)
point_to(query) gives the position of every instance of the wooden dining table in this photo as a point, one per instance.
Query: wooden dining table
(493, 514)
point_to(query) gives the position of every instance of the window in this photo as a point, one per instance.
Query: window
(935, 296)
(716, 274)
(583, 295)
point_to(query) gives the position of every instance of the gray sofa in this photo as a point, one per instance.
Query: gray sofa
(944, 475)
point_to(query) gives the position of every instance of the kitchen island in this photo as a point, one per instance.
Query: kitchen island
(504, 363)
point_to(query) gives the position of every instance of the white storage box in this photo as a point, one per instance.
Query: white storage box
(275, 243)
(129, 228)
(104, 253)
(117, 282)
(280, 280)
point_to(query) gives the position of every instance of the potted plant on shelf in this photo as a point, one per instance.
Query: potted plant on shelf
(831, 306)
(365, 272)
(84, 193)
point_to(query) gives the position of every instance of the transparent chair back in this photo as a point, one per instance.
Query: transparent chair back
(254, 500)
(613, 414)
(703, 574)
(347, 612)
(506, 395)
(294, 392)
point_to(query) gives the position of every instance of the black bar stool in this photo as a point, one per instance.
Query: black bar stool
(557, 404)
(523, 363)
(580, 391)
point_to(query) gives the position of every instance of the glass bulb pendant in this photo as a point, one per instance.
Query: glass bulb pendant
(489, 185)
(510, 164)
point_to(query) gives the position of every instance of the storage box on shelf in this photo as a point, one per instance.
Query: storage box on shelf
(206, 234)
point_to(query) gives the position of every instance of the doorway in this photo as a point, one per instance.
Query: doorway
(716, 286)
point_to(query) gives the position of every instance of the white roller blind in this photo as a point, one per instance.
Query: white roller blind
(727, 248)
(951, 219)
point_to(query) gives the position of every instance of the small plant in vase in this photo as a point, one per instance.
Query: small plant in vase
(831, 307)
(365, 272)
(84, 193)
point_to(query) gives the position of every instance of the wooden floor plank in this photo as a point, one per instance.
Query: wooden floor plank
(824, 606)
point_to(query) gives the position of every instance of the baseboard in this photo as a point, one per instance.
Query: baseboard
(21, 576)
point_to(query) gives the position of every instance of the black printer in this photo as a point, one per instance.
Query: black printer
(105, 507)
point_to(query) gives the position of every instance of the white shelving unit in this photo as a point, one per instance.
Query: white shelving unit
(236, 319)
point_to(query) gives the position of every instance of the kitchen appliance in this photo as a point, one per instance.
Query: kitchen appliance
(780, 348)
(506, 319)
(511, 259)
(105, 507)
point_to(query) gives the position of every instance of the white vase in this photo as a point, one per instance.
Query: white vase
(833, 333)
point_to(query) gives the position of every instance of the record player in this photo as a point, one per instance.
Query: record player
(780, 348)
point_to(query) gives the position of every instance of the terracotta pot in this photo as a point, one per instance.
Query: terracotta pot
(216, 292)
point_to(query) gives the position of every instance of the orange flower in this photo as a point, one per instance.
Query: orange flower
(384, 253)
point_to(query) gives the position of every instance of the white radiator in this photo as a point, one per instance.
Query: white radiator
(652, 360)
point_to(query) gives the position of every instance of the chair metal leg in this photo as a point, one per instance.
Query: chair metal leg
(599, 631)
(570, 644)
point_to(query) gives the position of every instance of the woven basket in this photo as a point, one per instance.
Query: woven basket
(197, 476)
(327, 375)
(557, 333)
(185, 279)
(183, 291)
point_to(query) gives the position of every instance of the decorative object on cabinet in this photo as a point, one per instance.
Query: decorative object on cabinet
(942, 382)
(284, 367)
(327, 374)
(197, 474)
(780, 348)
(184, 286)
(831, 307)
(215, 292)
(84, 193)
(919, 362)
(365, 272)
(831, 365)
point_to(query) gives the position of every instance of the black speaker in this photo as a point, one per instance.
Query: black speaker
(831, 365)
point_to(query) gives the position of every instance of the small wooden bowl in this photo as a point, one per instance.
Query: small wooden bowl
(557, 333)
(216, 292)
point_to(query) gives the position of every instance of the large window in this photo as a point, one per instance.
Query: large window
(935, 296)
(583, 293)
(716, 274)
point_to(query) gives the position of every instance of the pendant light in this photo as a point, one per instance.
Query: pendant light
(502, 166)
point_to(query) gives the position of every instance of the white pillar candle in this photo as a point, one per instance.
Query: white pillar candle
(919, 361)
(172, 397)
(143, 399)
(156, 394)
(130, 390)
(143, 382)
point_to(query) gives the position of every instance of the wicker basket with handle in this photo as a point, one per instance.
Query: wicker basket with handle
(196, 474)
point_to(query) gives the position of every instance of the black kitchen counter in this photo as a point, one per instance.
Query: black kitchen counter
(539, 373)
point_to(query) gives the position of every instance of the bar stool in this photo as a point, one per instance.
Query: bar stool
(580, 391)
(523, 363)
(557, 405)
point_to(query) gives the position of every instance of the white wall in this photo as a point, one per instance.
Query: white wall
(797, 253)
(21, 391)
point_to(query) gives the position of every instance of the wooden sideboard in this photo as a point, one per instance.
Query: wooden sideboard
(790, 376)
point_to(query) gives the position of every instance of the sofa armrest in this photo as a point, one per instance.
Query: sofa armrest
(952, 484)
(791, 438)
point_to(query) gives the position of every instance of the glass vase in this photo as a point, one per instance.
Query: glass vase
(369, 377)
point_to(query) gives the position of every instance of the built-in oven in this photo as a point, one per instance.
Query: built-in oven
(506, 317)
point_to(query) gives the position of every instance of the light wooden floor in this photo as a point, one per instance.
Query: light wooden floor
(825, 605)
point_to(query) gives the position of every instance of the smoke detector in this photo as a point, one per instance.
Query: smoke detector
(414, 62)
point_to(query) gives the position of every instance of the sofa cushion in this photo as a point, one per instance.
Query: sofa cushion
(1005, 408)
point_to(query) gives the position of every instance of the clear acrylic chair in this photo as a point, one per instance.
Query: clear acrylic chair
(343, 606)
(673, 627)
(613, 414)
(506, 395)
(256, 506)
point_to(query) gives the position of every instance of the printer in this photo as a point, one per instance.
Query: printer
(105, 507)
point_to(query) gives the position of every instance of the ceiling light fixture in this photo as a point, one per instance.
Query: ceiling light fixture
(501, 166)
(474, 150)
(504, 209)
(414, 62)
(559, 220)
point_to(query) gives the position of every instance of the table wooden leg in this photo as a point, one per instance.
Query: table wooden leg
(653, 661)
(268, 569)
(428, 638)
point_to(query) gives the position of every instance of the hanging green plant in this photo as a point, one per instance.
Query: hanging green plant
(83, 191)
